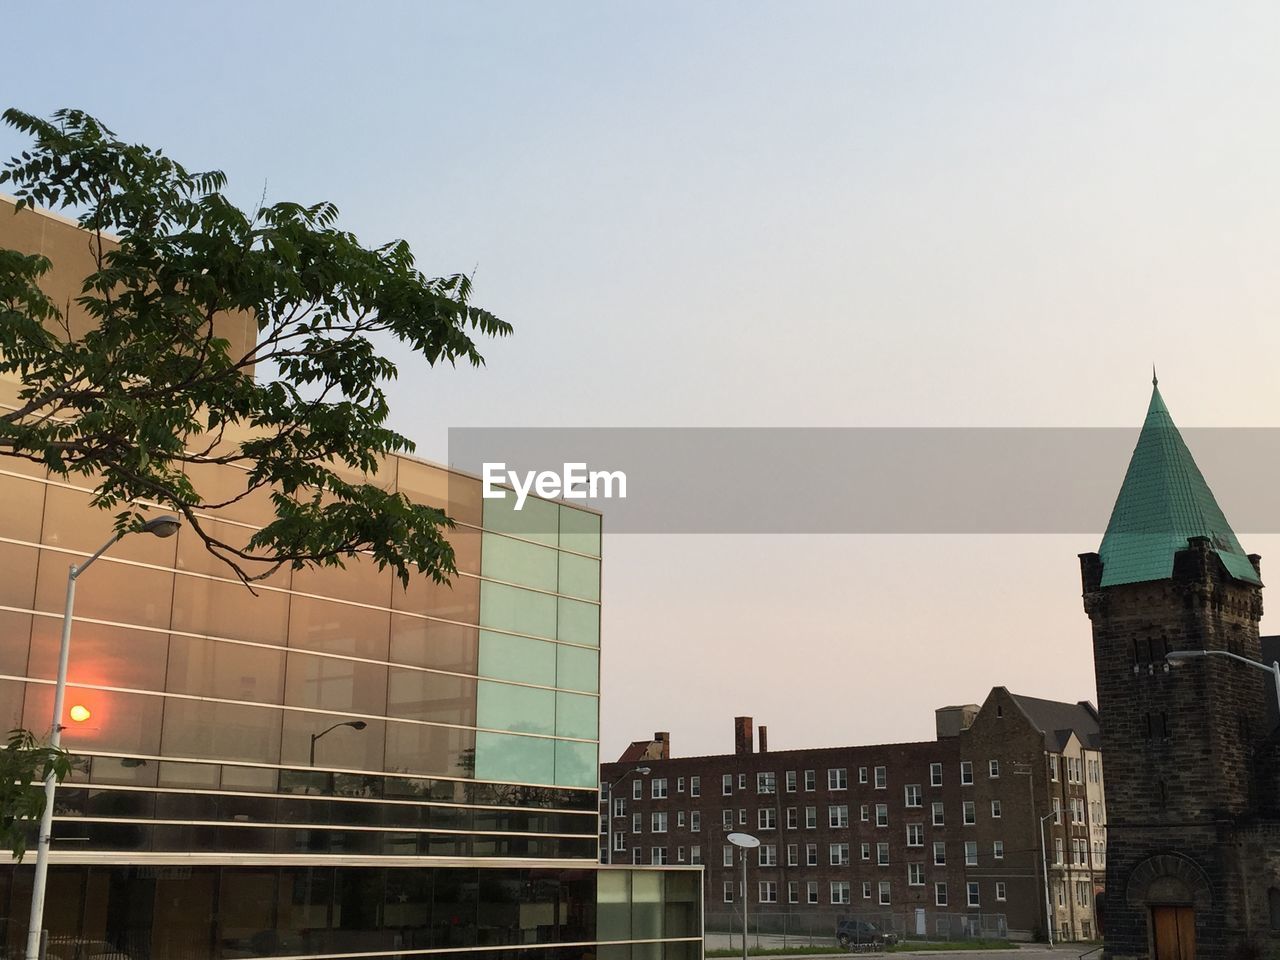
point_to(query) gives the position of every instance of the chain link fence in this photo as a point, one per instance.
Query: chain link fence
(822, 928)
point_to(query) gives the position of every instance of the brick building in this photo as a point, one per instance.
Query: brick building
(1193, 787)
(930, 834)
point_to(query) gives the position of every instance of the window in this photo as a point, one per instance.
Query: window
(637, 789)
(971, 853)
(767, 855)
(695, 821)
(1057, 810)
(865, 813)
(726, 784)
(1057, 850)
(658, 856)
(728, 891)
(791, 787)
(793, 854)
(997, 850)
(838, 779)
(938, 818)
(995, 809)
(935, 774)
(838, 815)
(940, 894)
(811, 892)
(635, 854)
(884, 893)
(619, 807)
(866, 851)
(637, 823)
(658, 788)
(695, 786)
(862, 774)
(974, 901)
(970, 813)
(766, 783)
(793, 892)
(1053, 767)
(742, 781)
(939, 853)
(727, 858)
(658, 822)
(793, 819)
(840, 891)
(915, 874)
(993, 769)
(811, 854)
(914, 795)
(915, 834)
(695, 854)
(679, 784)
(866, 889)
(810, 818)
(726, 819)
(619, 843)
(680, 818)
(767, 818)
(838, 854)
(679, 854)
(882, 778)
(742, 817)
(882, 854)
(811, 783)
(966, 773)
(882, 814)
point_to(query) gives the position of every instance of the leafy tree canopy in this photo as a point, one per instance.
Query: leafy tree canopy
(153, 388)
(25, 764)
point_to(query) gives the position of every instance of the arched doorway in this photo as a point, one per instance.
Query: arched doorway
(1172, 890)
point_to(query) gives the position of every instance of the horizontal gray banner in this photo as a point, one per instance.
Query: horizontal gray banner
(858, 480)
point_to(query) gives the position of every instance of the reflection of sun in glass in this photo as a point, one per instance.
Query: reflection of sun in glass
(80, 713)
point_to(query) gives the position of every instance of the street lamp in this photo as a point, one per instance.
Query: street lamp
(162, 526)
(644, 772)
(353, 724)
(1174, 657)
(1029, 772)
(744, 842)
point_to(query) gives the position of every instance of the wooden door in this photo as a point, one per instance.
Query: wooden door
(1174, 932)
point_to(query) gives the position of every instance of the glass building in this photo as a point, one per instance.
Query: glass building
(336, 766)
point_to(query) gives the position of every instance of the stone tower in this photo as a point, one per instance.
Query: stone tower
(1179, 741)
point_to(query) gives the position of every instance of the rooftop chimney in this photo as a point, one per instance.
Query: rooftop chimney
(663, 739)
(742, 739)
(764, 739)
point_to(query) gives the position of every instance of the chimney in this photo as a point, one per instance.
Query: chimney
(663, 739)
(764, 739)
(742, 739)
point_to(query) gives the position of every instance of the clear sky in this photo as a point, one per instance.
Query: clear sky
(731, 214)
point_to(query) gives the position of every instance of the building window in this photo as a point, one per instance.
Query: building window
(810, 780)
(866, 852)
(882, 854)
(882, 814)
(793, 819)
(1057, 810)
(679, 818)
(619, 807)
(935, 774)
(679, 784)
(793, 854)
(727, 859)
(966, 772)
(695, 821)
(767, 818)
(997, 850)
(637, 823)
(811, 854)
(970, 813)
(884, 893)
(793, 892)
(635, 854)
(637, 789)
(940, 894)
(1053, 767)
(658, 788)
(865, 813)
(840, 891)
(971, 853)
(810, 818)
(838, 815)
(726, 784)
(658, 822)
(915, 874)
(695, 786)
(974, 901)
(742, 816)
(862, 774)
(726, 819)
(939, 853)
(791, 787)
(914, 795)
(619, 843)
(938, 818)
(838, 779)
(882, 778)
(767, 855)
(658, 856)
(993, 769)
(742, 781)
(695, 854)
(679, 854)
(915, 834)
(838, 854)
(766, 783)
(866, 889)
(728, 891)
(811, 891)
(995, 809)
(1057, 850)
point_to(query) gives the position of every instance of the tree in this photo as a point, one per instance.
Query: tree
(25, 764)
(152, 387)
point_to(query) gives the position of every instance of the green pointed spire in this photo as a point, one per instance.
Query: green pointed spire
(1164, 501)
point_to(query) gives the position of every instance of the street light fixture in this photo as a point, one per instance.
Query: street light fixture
(744, 842)
(1175, 658)
(353, 724)
(162, 526)
(644, 772)
(1029, 772)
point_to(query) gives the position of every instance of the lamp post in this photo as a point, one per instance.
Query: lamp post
(644, 772)
(1029, 773)
(744, 842)
(1173, 658)
(353, 724)
(163, 526)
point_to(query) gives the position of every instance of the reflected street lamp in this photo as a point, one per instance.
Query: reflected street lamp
(353, 724)
(644, 772)
(1175, 657)
(744, 842)
(162, 526)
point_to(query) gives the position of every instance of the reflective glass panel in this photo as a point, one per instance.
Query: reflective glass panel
(339, 628)
(21, 506)
(459, 599)
(517, 561)
(456, 495)
(579, 531)
(446, 751)
(418, 695)
(536, 519)
(222, 609)
(15, 642)
(343, 746)
(108, 590)
(105, 656)
(579, 622)
(505, 657)
(203, 729)
(577, 715)
(18, 576)
(116, 722)
(502, 706)
(520, 611)
(576, 764)
(579, 576)
(501, 756)
(430, 643)
(212, 668)
(577, 669)
(329, 683)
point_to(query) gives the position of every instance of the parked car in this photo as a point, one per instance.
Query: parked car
(858, 932)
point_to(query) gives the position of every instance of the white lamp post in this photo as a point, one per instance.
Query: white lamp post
(644, 772)
(1029, 772)
(162, 526)
(1174, 657)
(744, 842)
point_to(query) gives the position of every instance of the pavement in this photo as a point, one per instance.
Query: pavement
(1026, 951)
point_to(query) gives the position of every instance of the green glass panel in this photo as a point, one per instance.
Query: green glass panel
(579, 622)
(576, 669)
(646, 905)
(501, 756)
(518, 562)
(510, 608)
(503, 657)
(577, 715)
(535, 520)
(576, 764)
(579, 531)
(579, 577)
(683, 894)
(613, 903)
(501, 706)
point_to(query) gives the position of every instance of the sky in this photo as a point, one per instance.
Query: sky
(749, 214)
